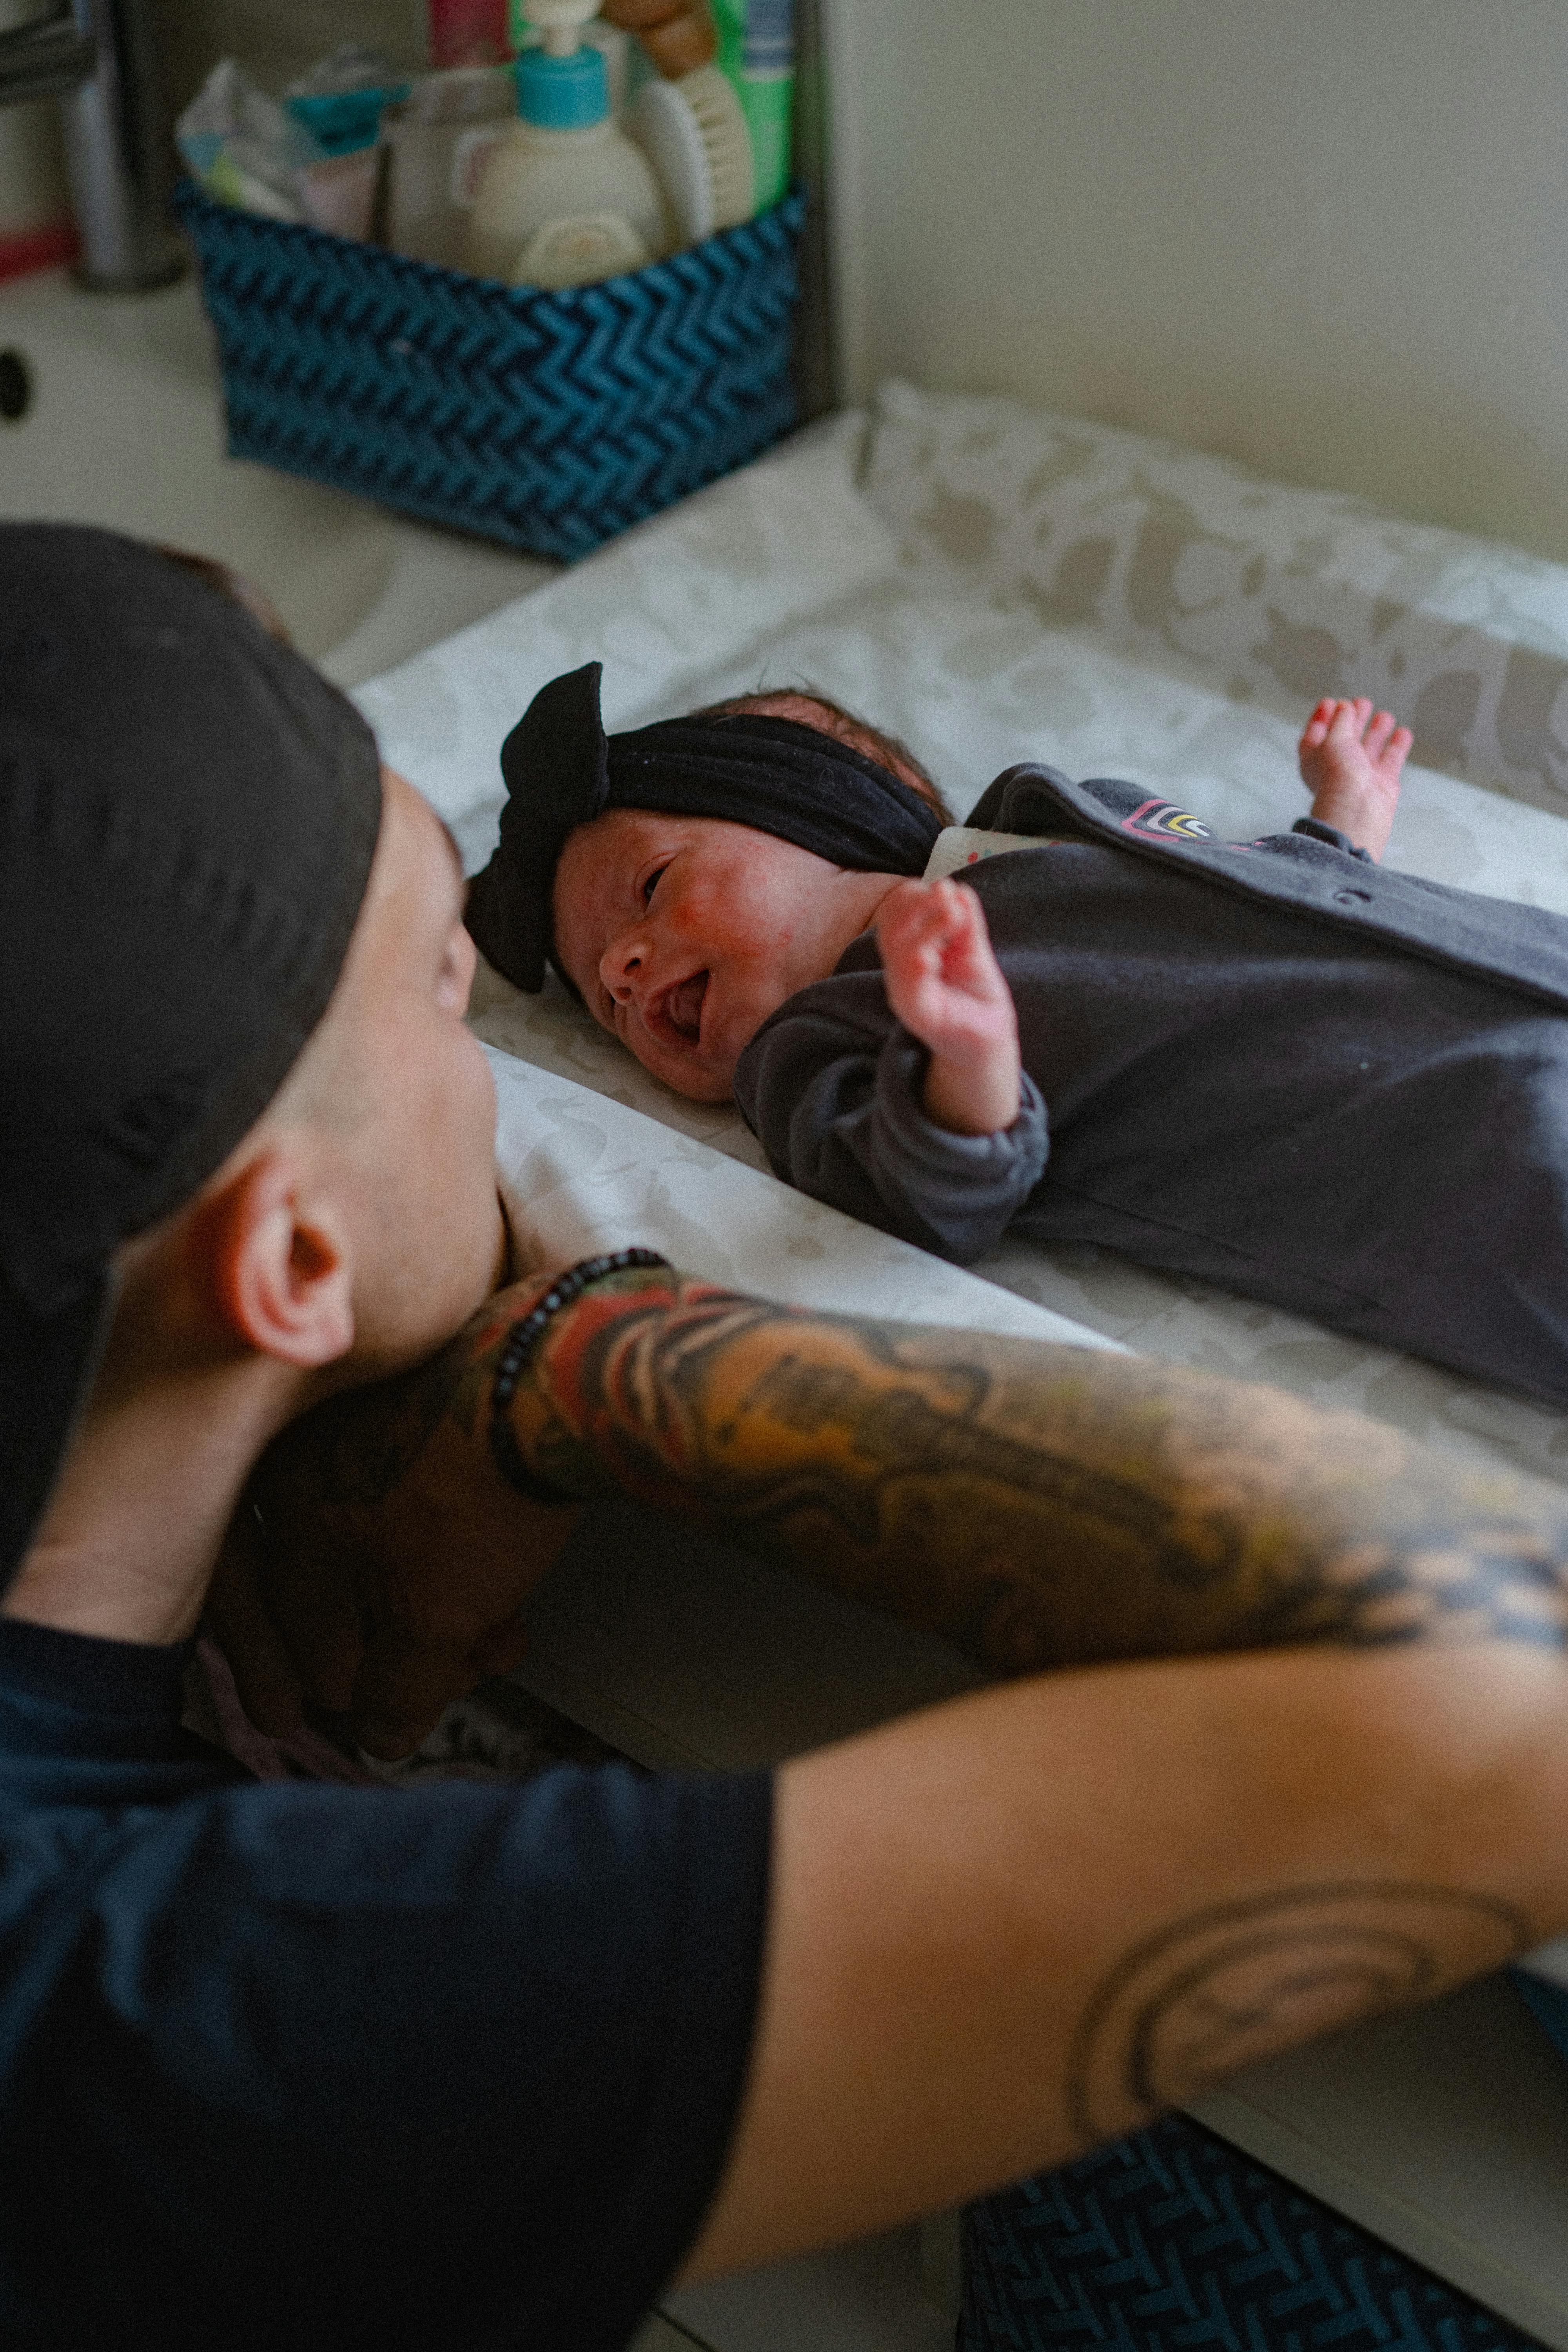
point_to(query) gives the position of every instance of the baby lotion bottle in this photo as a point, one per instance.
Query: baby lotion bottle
(563, 197)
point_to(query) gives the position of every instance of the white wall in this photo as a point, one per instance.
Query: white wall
(276, 38)
(1327, 236)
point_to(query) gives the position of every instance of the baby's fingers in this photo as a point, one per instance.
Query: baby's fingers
(914, 922)
(916, 906)
(969, 960)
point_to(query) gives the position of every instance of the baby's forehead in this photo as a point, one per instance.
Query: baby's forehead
(596, 859)
(590, 848)
(602, 850)
(594, 853)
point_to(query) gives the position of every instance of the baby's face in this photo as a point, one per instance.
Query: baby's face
(684, 933)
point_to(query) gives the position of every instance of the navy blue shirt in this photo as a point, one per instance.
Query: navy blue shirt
(300, 2065)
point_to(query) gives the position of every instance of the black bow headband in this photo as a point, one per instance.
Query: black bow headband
(562, 771)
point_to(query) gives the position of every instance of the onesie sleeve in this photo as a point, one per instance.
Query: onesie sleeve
(1312, 828)
(834, 1093)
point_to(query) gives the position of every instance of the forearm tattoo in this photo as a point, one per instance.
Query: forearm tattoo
(1037, 1505)
(1242, 1981)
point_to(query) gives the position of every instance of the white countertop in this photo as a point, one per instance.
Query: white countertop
(126, 428)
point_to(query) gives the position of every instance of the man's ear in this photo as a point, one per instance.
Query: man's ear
(278, 1266)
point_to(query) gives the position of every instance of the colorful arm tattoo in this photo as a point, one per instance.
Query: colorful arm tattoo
(1038, 1504)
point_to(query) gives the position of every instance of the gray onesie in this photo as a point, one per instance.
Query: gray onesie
(1274, 1065)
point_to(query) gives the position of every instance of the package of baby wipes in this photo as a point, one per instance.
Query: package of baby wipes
(312, 159)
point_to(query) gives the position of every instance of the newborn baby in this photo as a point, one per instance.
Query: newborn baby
(1273, 1064)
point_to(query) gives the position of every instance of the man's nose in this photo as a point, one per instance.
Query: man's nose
(622, 967)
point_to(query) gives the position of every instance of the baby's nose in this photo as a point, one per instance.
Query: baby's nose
(623, 961)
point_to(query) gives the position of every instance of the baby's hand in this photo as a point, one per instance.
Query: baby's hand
(945, 985)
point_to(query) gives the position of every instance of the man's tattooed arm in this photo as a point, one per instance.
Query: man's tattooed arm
(1038, 1504)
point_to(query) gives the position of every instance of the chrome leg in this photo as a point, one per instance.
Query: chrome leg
(97, 57)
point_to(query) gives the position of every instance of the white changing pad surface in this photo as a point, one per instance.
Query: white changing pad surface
(993, 585)
(582, 1172)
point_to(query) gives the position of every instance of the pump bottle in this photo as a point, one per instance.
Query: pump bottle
(563, 197)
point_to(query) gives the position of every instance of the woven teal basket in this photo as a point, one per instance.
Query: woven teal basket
(549, 421)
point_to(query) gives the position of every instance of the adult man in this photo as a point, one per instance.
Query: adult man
(296, 2065)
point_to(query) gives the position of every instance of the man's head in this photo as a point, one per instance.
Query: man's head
(356, 1223)
(686, 878)
(233, 1072)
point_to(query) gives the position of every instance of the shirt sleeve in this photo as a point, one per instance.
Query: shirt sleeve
(836, 1104)
(305, 2065)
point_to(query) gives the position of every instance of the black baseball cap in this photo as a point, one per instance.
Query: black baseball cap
(188, 811)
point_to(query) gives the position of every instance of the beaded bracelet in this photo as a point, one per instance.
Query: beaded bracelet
(517, 1354)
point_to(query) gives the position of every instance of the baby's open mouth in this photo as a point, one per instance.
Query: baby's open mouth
(680, 1008)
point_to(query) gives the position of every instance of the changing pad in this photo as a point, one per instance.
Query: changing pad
(996, 583)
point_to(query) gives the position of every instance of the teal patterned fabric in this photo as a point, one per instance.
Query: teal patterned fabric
(549, 421)
(1172, 2241)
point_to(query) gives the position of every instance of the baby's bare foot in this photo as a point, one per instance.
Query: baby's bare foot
(1351, 757)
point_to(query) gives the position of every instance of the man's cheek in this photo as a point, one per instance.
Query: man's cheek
(469, 1124)
(483, 1090)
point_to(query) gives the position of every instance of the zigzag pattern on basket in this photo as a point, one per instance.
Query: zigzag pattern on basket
(551, 421)
(1172, 2241)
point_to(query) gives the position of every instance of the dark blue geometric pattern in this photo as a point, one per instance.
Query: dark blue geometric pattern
(548, 420)
(1172, 2241)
